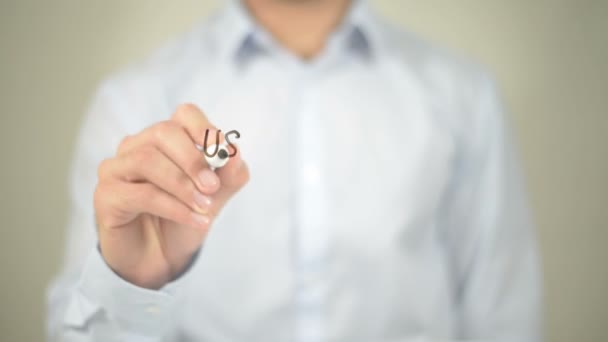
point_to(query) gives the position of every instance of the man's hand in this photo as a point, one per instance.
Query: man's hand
(156, 199)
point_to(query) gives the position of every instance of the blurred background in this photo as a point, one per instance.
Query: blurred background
(550, 58)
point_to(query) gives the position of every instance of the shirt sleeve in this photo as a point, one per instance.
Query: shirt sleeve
(488, 235)
(87, 301)
(101, 297)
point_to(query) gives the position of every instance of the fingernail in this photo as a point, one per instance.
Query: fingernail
(203, 203)
(200, 220)
(208, 179)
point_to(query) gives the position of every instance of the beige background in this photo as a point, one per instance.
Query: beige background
(549, 56)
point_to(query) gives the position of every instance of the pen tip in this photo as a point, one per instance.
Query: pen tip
(223, 154)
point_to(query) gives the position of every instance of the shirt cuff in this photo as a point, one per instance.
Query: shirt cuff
(134, 309)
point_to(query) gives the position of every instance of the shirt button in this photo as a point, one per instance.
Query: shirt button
(153, 309)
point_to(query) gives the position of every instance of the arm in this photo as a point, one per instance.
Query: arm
(75, 308)
(486, 230)
(115, 283)
(488, 233)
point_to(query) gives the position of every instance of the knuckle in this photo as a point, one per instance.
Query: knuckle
(178, 212)
(143, 156)
(180, 186)
(146, 193)
(124, 143)
(98, 195)
(101, 202)
(190, 116)
(194, 165)
(163, 130)
(184, 110)
(104, 221)
(184, 186)
(103, 168)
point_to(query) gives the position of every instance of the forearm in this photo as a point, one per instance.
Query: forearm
(97, 305)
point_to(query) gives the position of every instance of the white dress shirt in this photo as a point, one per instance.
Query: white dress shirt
(385, 201)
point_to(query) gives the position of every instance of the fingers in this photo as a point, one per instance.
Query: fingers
(196, 124)
(233, 176)
(118, 203)
(161, 172)
(174, 142)
(148, 164)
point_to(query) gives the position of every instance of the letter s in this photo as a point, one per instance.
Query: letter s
(230, 145)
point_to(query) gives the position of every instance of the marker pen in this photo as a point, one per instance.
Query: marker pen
(219, 159)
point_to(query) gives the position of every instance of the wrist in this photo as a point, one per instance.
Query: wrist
(185, 265)
(148, 273)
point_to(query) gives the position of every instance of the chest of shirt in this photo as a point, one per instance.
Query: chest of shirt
(372, 142)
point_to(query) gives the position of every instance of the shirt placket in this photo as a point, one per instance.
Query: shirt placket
(310, 234)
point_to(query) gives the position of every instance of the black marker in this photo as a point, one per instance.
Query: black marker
(219, 159)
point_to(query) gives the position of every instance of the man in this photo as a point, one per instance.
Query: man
(379, 201)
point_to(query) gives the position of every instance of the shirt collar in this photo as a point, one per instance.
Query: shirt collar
(242, 38)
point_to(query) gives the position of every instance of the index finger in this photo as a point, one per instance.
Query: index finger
(196, 124)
